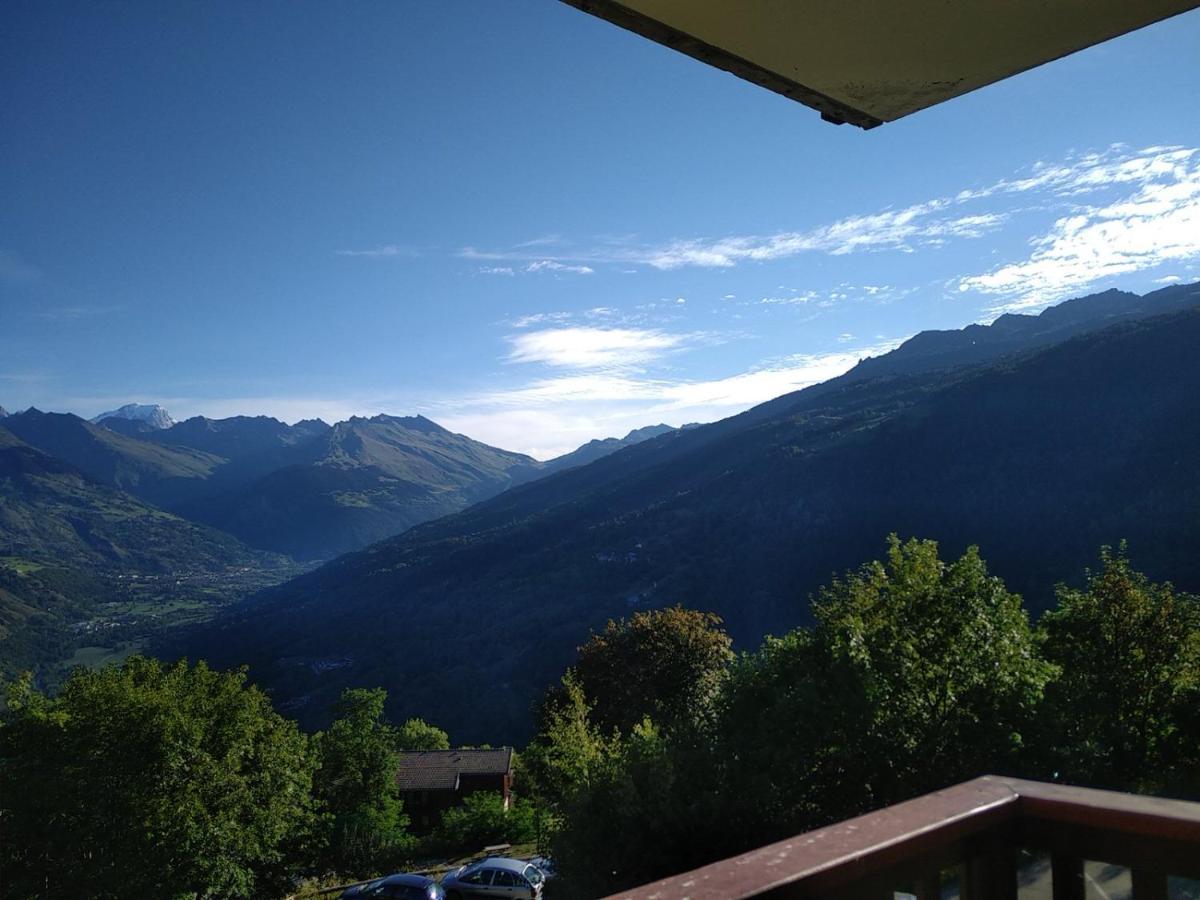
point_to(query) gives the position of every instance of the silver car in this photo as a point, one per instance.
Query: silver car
(397, 887)
(495, 877)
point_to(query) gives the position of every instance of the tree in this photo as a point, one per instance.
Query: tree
(567, 749)
(417, 734)
(646, 790)
(1122, 714)
(666, 664)
(483, 819)
(356, 786)
(146, 780)
(611, 795)
(918, 674)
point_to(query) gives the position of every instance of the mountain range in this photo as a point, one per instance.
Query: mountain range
(470, 573)
(1040, 438)
(121, 514)
(308, 490)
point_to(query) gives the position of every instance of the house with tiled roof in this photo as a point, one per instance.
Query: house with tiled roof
(432, 781)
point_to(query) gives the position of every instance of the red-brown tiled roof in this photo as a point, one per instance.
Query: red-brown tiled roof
(439, 770)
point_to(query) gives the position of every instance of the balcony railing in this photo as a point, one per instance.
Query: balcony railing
(988, 839)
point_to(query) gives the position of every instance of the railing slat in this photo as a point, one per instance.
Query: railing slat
(992, 871)
(1149, 885)
(1067, 874)
(929, 887)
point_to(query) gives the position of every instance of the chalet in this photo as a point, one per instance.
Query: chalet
(432, 781)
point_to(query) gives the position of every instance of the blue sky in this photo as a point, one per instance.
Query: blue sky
(526, 223)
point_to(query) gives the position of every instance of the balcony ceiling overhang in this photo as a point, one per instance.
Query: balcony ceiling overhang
(874, 61)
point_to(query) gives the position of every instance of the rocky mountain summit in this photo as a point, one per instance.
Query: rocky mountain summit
(150, 413)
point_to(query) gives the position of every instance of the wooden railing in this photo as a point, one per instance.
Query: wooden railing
(973, 841)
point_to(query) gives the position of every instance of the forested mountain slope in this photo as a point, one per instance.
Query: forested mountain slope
(1038, 457)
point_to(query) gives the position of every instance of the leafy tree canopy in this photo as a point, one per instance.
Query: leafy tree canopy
(918, 673)
(666, 664)
(1123, 713)
(417, 734)
(149, 780)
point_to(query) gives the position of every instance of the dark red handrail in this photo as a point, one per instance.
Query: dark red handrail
(975, 827)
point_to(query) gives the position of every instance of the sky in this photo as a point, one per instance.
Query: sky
(528, 224)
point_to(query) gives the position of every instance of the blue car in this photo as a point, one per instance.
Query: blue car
(404, 887)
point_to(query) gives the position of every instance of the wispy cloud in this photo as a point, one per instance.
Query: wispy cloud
(871, 293)
(1116, 211)
(920, 225)
(532, 267)
(1158, 222)
(543, 241)
(907, 229)
(797, 299)
(549, 416)
(539, 318)
(384, 252)
(592, 348)
(551, 265)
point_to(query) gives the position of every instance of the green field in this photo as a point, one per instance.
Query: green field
(19, 565)
(94, 657)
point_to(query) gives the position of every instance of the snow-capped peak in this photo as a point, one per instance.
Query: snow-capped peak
(152, 414)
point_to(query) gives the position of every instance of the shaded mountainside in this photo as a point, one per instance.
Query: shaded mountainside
(66, 540)
(54, 513)
(361, 481)
(1039, 458)
(258, 440)
(156, 473)
(134, 428)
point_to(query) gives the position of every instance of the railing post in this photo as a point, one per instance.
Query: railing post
(929, 887)
(1149, 885)
(992, 873)
(1067, 873)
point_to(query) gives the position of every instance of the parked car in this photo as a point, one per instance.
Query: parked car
(546, 865)
(495, 877)
(401, 886)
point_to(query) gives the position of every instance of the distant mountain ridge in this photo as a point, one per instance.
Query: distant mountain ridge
(595, 449)
(1039, 455)
(309, 490)
(1013, 332)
